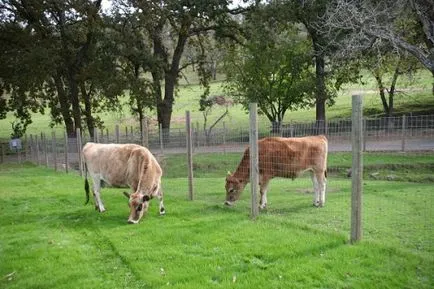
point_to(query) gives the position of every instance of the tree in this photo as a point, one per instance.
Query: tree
(370, 20)
(169, 25)
(273, 68)
(59, 40)
(386, 67)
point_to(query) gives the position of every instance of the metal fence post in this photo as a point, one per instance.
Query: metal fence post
(357, 169)
(254, 168)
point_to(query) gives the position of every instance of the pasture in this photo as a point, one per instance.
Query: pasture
(49, 239)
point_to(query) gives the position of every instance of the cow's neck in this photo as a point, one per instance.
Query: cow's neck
(242, 173)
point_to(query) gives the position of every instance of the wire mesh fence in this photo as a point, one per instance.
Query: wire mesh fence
(406, 133)
(397, 149)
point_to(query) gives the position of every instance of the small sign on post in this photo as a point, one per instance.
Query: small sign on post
(15, 144)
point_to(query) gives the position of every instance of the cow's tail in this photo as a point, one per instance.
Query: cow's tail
(86, 184)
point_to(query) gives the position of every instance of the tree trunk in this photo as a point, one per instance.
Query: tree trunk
(381, 90)
(73, 97)
(64, 106)
(88, 110)
(321, 94)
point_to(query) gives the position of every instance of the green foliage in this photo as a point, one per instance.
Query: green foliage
(273, 68)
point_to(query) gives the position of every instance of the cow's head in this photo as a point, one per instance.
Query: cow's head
(234, 187)
(138, 204)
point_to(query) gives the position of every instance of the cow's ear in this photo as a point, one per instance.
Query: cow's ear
(146, 198)
(126, 195)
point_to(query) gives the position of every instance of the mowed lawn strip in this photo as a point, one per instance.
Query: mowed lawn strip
(49, 239)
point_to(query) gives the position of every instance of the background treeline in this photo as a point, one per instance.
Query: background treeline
(75, 59)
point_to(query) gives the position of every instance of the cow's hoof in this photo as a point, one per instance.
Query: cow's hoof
(318, 205)
(133, 222)
(162, 212)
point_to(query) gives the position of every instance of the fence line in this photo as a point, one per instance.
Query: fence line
(404, 133)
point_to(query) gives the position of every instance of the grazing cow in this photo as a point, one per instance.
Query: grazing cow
(124, 165)
(286, 158)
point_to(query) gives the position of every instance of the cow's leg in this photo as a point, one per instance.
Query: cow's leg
(263, 188)
(323, 186)
(320, 191)
(96, 194)
(160, 198)
(316, 197)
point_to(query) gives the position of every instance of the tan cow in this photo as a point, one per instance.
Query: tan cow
(124, 165)
(286, 158)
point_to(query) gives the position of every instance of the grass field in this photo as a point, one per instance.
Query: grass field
(49, 239)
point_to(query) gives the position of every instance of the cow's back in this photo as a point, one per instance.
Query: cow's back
(287, 157)
(109, 161)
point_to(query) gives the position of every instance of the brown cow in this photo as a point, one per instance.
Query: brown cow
(124, 165)
(286, 158)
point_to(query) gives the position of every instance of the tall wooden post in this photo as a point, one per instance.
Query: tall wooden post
(189, 155)
(357, 169)
(254, 167)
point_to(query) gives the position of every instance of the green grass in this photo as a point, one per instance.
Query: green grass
(415, 97)
(49, 239)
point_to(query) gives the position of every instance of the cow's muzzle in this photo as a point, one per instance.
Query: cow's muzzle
(228, 203)
(133, 222)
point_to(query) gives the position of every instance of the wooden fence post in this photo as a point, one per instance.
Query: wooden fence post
(3, 152)
(54, 149)
(95, 135)
(66, 152)
(37, 149)
(254, 168)
(117, 133)
(32, 154)
(80, 163)
(357, 169)
(144, 133)
(25, 147)
(45, 146)
(403, 132)
(189, 155)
